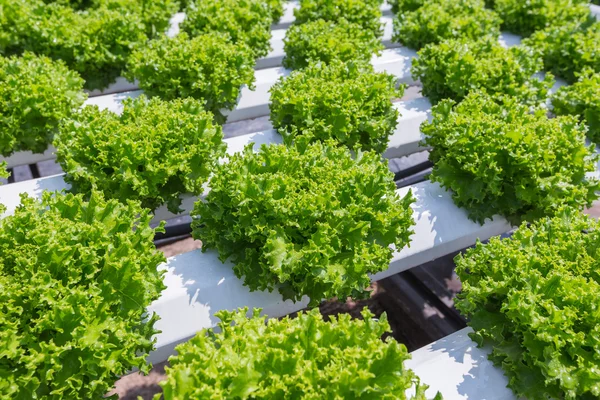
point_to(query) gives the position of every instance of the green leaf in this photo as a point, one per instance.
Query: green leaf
(438, 20)
(309, 221)
(241, 21)
(300, 358)
(525, 17)
(365, 13)
(582, 100)
(535, 298)
(153, 152)
(454, 68)
(75, 280)
(488, 172)
(207, 67)
(348, 102)
(36, 93)
(325, 41)
(569, 49)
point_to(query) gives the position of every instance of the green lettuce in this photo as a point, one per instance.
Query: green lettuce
(348, 102)
(75, 280)
(324, 41)
(300, 358)
(366, 13)
(95, 42)
(582, 100)
(242, 21)
(207, 67)
(525, 17)
(568, 49)
(309, 219)
(498, 156)
(535, 299)
(155, 14)
(277, 9)
(36, 93)
(438, 20)
(399, 6)
(153, 152)
(454, 68)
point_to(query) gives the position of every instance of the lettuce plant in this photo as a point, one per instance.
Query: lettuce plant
(568, 49)
(300, 358)
(309, 220)
(276, 7)
(324, 41)
(207, 67)
(153, 152)
(36, 93)
(154, 14)
(498, 156)
(345, 101)
(454, 68)
(582, 100)
(96, 42)
(365, 13)
(399, 6)
(75, 279)
(438, 20)
(242, 21)
(535, 299)
(525, 17)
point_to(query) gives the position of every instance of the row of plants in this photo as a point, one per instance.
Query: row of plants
(285, 215)
(532, 297)
(421, 22)
(46, 48)
(306, 217)
(94, 38)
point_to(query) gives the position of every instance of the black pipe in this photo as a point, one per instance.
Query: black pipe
(184, 229)
(35, 172)
(11, 177)
(415, 169)
(420, 177)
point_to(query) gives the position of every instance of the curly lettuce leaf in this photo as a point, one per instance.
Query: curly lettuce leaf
(207, 67)
(242, 21)
(75, 280)
(300, 358)
(454, 68)
(308, 220)
(568, 49)
(366, 13)
(581, 99)
(153, 152)
(348, 102)
(498, 156)
(534, 298)
(325, 41)
(526, 17)
(436, 21)
(36, 94)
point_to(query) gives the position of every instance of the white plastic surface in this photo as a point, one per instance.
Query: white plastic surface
(456, 368)
(27, 157)
(595, 11)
